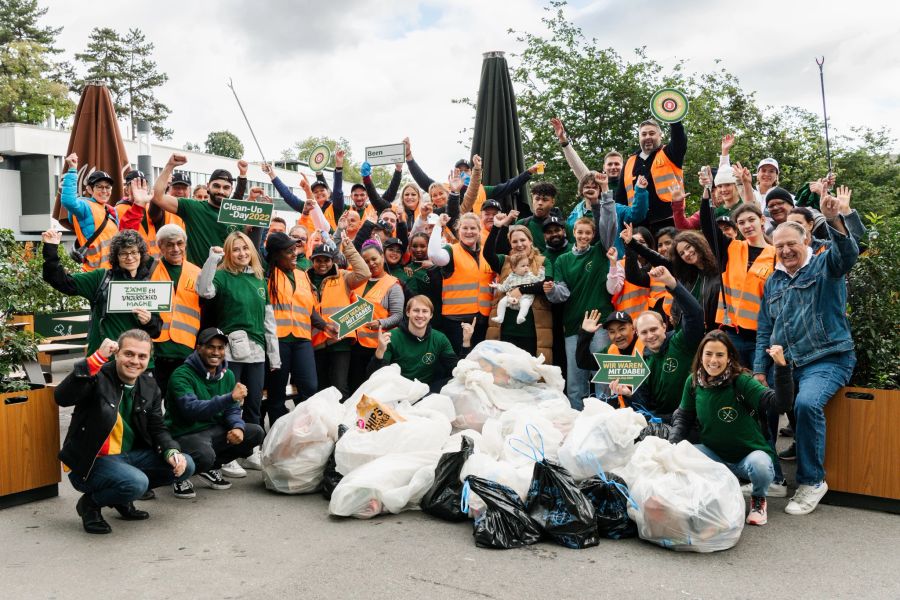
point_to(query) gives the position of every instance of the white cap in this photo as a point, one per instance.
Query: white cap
(724, 176)
(769, 161)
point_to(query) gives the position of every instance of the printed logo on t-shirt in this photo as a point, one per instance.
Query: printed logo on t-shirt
(428, 358)
(261, 292)
(671, 365)
(588, 266)
(728, 414)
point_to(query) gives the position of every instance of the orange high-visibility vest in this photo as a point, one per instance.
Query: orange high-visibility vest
(479, 200)
(148, 233)
(97, 256)
(469, 290)
(294, 305)
(744, 288)
(332, 297)
(638, 350)
(182, 324)
(368, 211)
(306, 220)
(631, 299)
(369, 337)
(659, 290)
(663, 171)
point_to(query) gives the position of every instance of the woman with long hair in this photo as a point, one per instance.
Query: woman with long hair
(233, 279)
(726, 399)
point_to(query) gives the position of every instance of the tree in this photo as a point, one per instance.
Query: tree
(224, 143)
(381, 176)
(125, 66)
(19, 22)
(192, 147)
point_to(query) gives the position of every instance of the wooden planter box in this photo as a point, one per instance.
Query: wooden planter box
(862, 452)
(29, 445)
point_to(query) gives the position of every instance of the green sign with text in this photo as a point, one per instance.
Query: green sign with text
(628, 370)
(352, 317)
(239, 212)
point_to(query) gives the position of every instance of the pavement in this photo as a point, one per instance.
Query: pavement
(247, 542)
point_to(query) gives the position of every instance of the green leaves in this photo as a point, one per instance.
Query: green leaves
(224, 143)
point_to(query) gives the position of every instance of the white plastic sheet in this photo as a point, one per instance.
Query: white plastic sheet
(602, 437)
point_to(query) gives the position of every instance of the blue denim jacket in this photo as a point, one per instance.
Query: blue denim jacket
(807, 313)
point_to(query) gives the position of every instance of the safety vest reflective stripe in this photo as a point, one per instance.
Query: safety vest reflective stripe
(743, 288)
(369, 337)
(665, 174)
(461, 287)
(469, 290)
(293, 305)
(332, 297)
(183, 322)
(97, 256)
(631, 299)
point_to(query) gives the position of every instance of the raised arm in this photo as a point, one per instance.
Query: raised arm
(579, 169)
(474, 185)
(390, 194)
(240, 186)
(713, 235)
(842, 254)
(437, 254)
(160, 198)
(418, 175)
(692, 313)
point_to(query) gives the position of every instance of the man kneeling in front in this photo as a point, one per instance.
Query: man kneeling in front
(203, 412)
(117, 446)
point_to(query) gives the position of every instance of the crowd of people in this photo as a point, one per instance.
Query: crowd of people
(738, 309)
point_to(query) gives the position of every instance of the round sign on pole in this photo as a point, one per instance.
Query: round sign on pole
(669, 105)
(319, 157)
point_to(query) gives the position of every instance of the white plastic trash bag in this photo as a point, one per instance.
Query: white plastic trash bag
(298, 445)
(510, 365)
(503, 472)
(390, 484)
(386, 385)
(686, 501)
(417, 434)
(601, 438)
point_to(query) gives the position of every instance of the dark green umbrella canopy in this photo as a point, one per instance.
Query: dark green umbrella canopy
(497, 137)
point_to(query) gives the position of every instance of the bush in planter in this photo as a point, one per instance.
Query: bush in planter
(22, 287)
(873, 307)
(16, 348)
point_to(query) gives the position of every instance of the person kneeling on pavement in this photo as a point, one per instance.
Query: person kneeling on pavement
(117, 446)
(725, 398)
(203, 412)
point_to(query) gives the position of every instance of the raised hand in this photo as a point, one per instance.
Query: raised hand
(499, 219)
(727, 143)
(613, 255)
(627, 233)
(476, 162)
(455, 180)
(140, 192)
(678, 194)
(776, 352)
(704, 178)
(339, 155)
(176, 160)
(591, 322)
(512, 216)
(558, 129)
(51, 236)
(662, 274)
(365, 169)
(268, 170)
(108, 347)
(408, 148)
(641, 182)
(468, 330)
(255, 193)
(72, 161)
(843, 198)
(242, 166)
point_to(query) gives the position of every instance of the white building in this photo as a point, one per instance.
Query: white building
(32, 164)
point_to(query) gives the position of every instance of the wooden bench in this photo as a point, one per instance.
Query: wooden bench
(47, 351)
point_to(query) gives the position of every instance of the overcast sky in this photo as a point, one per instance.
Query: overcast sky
(376, 71)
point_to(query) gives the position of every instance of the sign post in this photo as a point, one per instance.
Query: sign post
(628, 370)
(352, 317)
(240, 212)
(125, 296)
(389, 154)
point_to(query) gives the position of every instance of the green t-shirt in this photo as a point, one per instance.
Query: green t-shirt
(170, 349)
(201, 223)
(240, 303)
(526, 329)
(585, 275)
(126, 407)
(551, 255)
(185, 380)
(418, 358)
(668, 370)
(537, 232)
(303, 263)
(726, 426)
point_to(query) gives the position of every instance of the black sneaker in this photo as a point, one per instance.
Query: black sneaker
(214, 479)
(787, 431)
(790, 453)
(184, 489)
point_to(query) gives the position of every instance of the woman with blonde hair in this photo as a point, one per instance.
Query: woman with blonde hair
(234, 280)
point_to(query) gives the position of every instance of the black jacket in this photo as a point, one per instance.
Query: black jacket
(96, 400)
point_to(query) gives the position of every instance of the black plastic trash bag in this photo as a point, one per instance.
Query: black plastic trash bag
(504, 523)
(331, 475)
(564, 513)
(655, 428)
(443, 498)
(609, 498)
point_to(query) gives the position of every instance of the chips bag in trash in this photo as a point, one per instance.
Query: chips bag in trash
(373, 415)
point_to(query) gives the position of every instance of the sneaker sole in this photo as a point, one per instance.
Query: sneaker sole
(234, 475)
(215, 486)
(186, 496)
(788, 458)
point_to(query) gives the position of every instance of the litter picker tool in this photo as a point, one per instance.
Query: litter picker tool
(821, 63)
(256, 141)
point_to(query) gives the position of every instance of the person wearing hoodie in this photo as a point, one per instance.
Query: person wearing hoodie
(422, 352)
(203, 413)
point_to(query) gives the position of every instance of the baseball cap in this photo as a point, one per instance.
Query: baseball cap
(383, 225)
(278, 241)
(392, 241)
(318, 183)
(357, 186)
(617, 316)
(209, 334)
(134, 174)
(779, 193)
(462, 163)
(322, 250)
(491, 204)
(180, 178)
(553, 220)
(725, 219)
(98, 176)
(223, 174)
(769, 161)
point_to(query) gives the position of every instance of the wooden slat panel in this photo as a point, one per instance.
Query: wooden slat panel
(29, 441)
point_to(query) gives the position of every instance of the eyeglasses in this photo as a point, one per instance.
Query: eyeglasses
(302, 240)
(130, 254)
(103, 188)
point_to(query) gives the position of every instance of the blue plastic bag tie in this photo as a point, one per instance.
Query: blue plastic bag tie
(464, 497)
(535, 446)
(590, 461)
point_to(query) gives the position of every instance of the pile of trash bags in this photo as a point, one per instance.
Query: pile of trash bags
(501, 446)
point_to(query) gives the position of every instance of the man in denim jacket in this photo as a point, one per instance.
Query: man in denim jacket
(804, 309)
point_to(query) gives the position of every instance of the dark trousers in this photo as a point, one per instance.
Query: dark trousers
(252, 375)
(163, 369)
(123, 478)
(528, 344)
(453, 330)
(332, 369)
(298, 364)
(360, 356)
(210, 449)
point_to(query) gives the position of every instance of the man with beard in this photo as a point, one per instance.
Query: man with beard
(201, 219)
(662, 165)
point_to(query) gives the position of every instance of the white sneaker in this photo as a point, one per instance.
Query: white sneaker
(233, 470)
(252, 462)
(806, 499)
(776, 490)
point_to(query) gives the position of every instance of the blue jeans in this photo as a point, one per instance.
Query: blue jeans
(817, 383)
(756, 466)
(252, 375)
(746, 350)
(297, 363)
(123, 478)
(578, 381)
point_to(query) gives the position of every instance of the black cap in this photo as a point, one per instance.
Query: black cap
(383, 225)
(209, 334)
(277, 241)
(617, 316)
(98, 176)
(318, 183)
(357, 186)
(392, 241)
(779, 193)
(725, 219)
(491, 204)
(221, 174)
(322, 250)
(553, 220)
(462, 163)
(180, 178)
(134, 174)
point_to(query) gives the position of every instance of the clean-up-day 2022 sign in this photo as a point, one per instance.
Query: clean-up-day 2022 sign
(628, 370)
(389, 154)
(241, 212)
(352, 317)
(125, 296)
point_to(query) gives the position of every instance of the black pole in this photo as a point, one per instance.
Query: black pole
(821, 63)
(717, 252)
